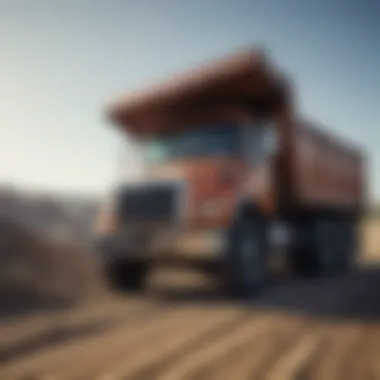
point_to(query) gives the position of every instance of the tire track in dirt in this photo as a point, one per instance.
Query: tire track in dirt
(153, 369)
(292, 361)
(80, 326)
(331, 357)
(242, 361)
(212, 351)
(62, 355)
(168, 345)
(196, 342)
(23, 330)
(153, 342)
(265, 361)
(55, 336)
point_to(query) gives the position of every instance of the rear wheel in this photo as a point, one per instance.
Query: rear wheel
(124, 275)
(316, 251)
(246, 257)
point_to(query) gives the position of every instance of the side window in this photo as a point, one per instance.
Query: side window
(261, 143)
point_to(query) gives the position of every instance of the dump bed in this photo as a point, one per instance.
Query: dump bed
(325, 171)
(243, 82)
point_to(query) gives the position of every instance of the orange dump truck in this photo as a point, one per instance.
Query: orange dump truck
(231, 171)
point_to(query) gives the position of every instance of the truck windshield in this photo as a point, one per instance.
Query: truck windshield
(206, 142)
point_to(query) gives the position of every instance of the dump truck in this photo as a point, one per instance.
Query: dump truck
(232, 174)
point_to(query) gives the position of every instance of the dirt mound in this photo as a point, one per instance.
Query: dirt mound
(36, 269)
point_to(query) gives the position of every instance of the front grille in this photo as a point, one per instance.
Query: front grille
(149, 202)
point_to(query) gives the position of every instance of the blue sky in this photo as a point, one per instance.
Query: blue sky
(62, 60)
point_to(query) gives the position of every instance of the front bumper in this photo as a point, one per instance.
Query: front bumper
(162, 245)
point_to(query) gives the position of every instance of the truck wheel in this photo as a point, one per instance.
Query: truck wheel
(246, 257)
(317, 246)
(124, 275)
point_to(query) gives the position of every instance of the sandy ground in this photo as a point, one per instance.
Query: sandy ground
(298, 329)
(182, 328)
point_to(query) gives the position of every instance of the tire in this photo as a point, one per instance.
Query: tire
(246, 257)
(126, 276)
(316, 251)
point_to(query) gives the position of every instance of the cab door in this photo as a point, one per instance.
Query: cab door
(260, 145)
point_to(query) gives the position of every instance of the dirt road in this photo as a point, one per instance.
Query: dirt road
(298, 329)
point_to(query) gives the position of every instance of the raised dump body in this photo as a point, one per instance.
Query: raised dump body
(239, 86)
(228, 163)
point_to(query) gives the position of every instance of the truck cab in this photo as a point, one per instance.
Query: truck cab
(182, 206)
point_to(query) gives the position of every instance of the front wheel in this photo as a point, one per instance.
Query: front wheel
(126, 276)
(246, 257)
